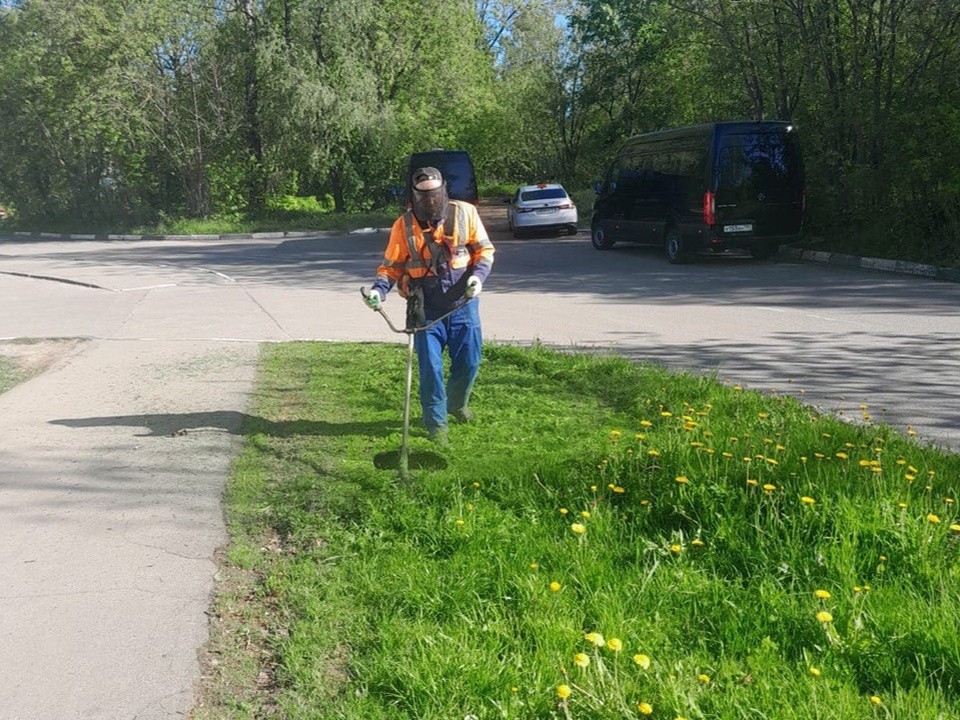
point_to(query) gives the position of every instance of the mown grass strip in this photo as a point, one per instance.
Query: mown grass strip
(740, 555)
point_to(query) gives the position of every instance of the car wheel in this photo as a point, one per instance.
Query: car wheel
(599, 237)
(764, 251)
(673, 244)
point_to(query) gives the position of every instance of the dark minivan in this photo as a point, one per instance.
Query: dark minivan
(456, 168)
(704, 188)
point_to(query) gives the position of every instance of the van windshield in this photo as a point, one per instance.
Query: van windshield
(756, 164)
(545, 194)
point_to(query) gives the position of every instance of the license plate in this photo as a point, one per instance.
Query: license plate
(737, 228)
(546, 211)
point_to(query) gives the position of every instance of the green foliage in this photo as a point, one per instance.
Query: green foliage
(716, 525)
(308, 204)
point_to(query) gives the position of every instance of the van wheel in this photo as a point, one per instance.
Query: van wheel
(764, 252)
(599, 237)
(673, 244)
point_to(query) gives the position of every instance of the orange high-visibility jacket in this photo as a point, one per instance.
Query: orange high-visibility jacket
(408, 256)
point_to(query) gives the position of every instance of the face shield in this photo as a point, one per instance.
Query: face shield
(428, 195)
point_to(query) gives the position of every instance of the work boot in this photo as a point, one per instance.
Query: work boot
(462, 415)
(439, 437)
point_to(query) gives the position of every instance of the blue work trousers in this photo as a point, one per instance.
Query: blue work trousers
(460, 334)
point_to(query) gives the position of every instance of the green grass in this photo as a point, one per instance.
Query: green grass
(10, 374)
(350, 594)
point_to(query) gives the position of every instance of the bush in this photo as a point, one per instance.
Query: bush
(307, 204)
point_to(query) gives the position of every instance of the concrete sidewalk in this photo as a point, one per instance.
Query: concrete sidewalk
(111, 475)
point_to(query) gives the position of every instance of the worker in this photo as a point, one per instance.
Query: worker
(438, 255)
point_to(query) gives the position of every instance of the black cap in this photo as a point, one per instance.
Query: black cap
(426, 178)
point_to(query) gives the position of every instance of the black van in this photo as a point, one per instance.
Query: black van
(707, 187)
(456, 168)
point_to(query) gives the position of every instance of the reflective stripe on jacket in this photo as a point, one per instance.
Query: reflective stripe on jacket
(408, 256)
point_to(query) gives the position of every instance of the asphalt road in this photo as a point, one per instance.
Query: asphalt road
(112, 463)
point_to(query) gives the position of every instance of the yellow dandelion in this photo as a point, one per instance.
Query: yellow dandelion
(901, 505)
(901, 461)
(476, 485)
(666, 413)
(458, 521)
(824, 617)
(563, 511)
(563, 691)
(955, 528)
(514, 689)
(864, 463)
(763, 415)
(682, 480)
(470, 507)
(578, 528)
(842, 455)
(697, 542)
(803, 458)
(615, 644)
(768, 487)
(646, 423)
(615, 435)
(645, 708)
(619, 490)
(653, 453)
(737, 388)
(705, 679)
(875, 700)
(814, 671)
(534, 566)
(555, 586)
(696, 444)
(948, 501)
(676, 548)
(640, 436)
(857, 589)
(911, 432)
(821, 594)
(933, 519)
(807, 500)
(909, 477)
(593, 488)
(727, 455)
(581, 660)
(585, 513)
(642, 660)
(595, 638)
(752, 483)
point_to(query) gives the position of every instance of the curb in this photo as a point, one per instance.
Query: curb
(900, 267)
(288, 234)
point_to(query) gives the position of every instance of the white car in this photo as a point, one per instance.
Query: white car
(544, 207)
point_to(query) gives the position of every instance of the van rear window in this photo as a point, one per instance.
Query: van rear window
(760, 163)
(545, 194)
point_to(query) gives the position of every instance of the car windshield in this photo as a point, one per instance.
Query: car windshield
(544, 194)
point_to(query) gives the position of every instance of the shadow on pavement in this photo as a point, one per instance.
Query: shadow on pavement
(229, 421)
